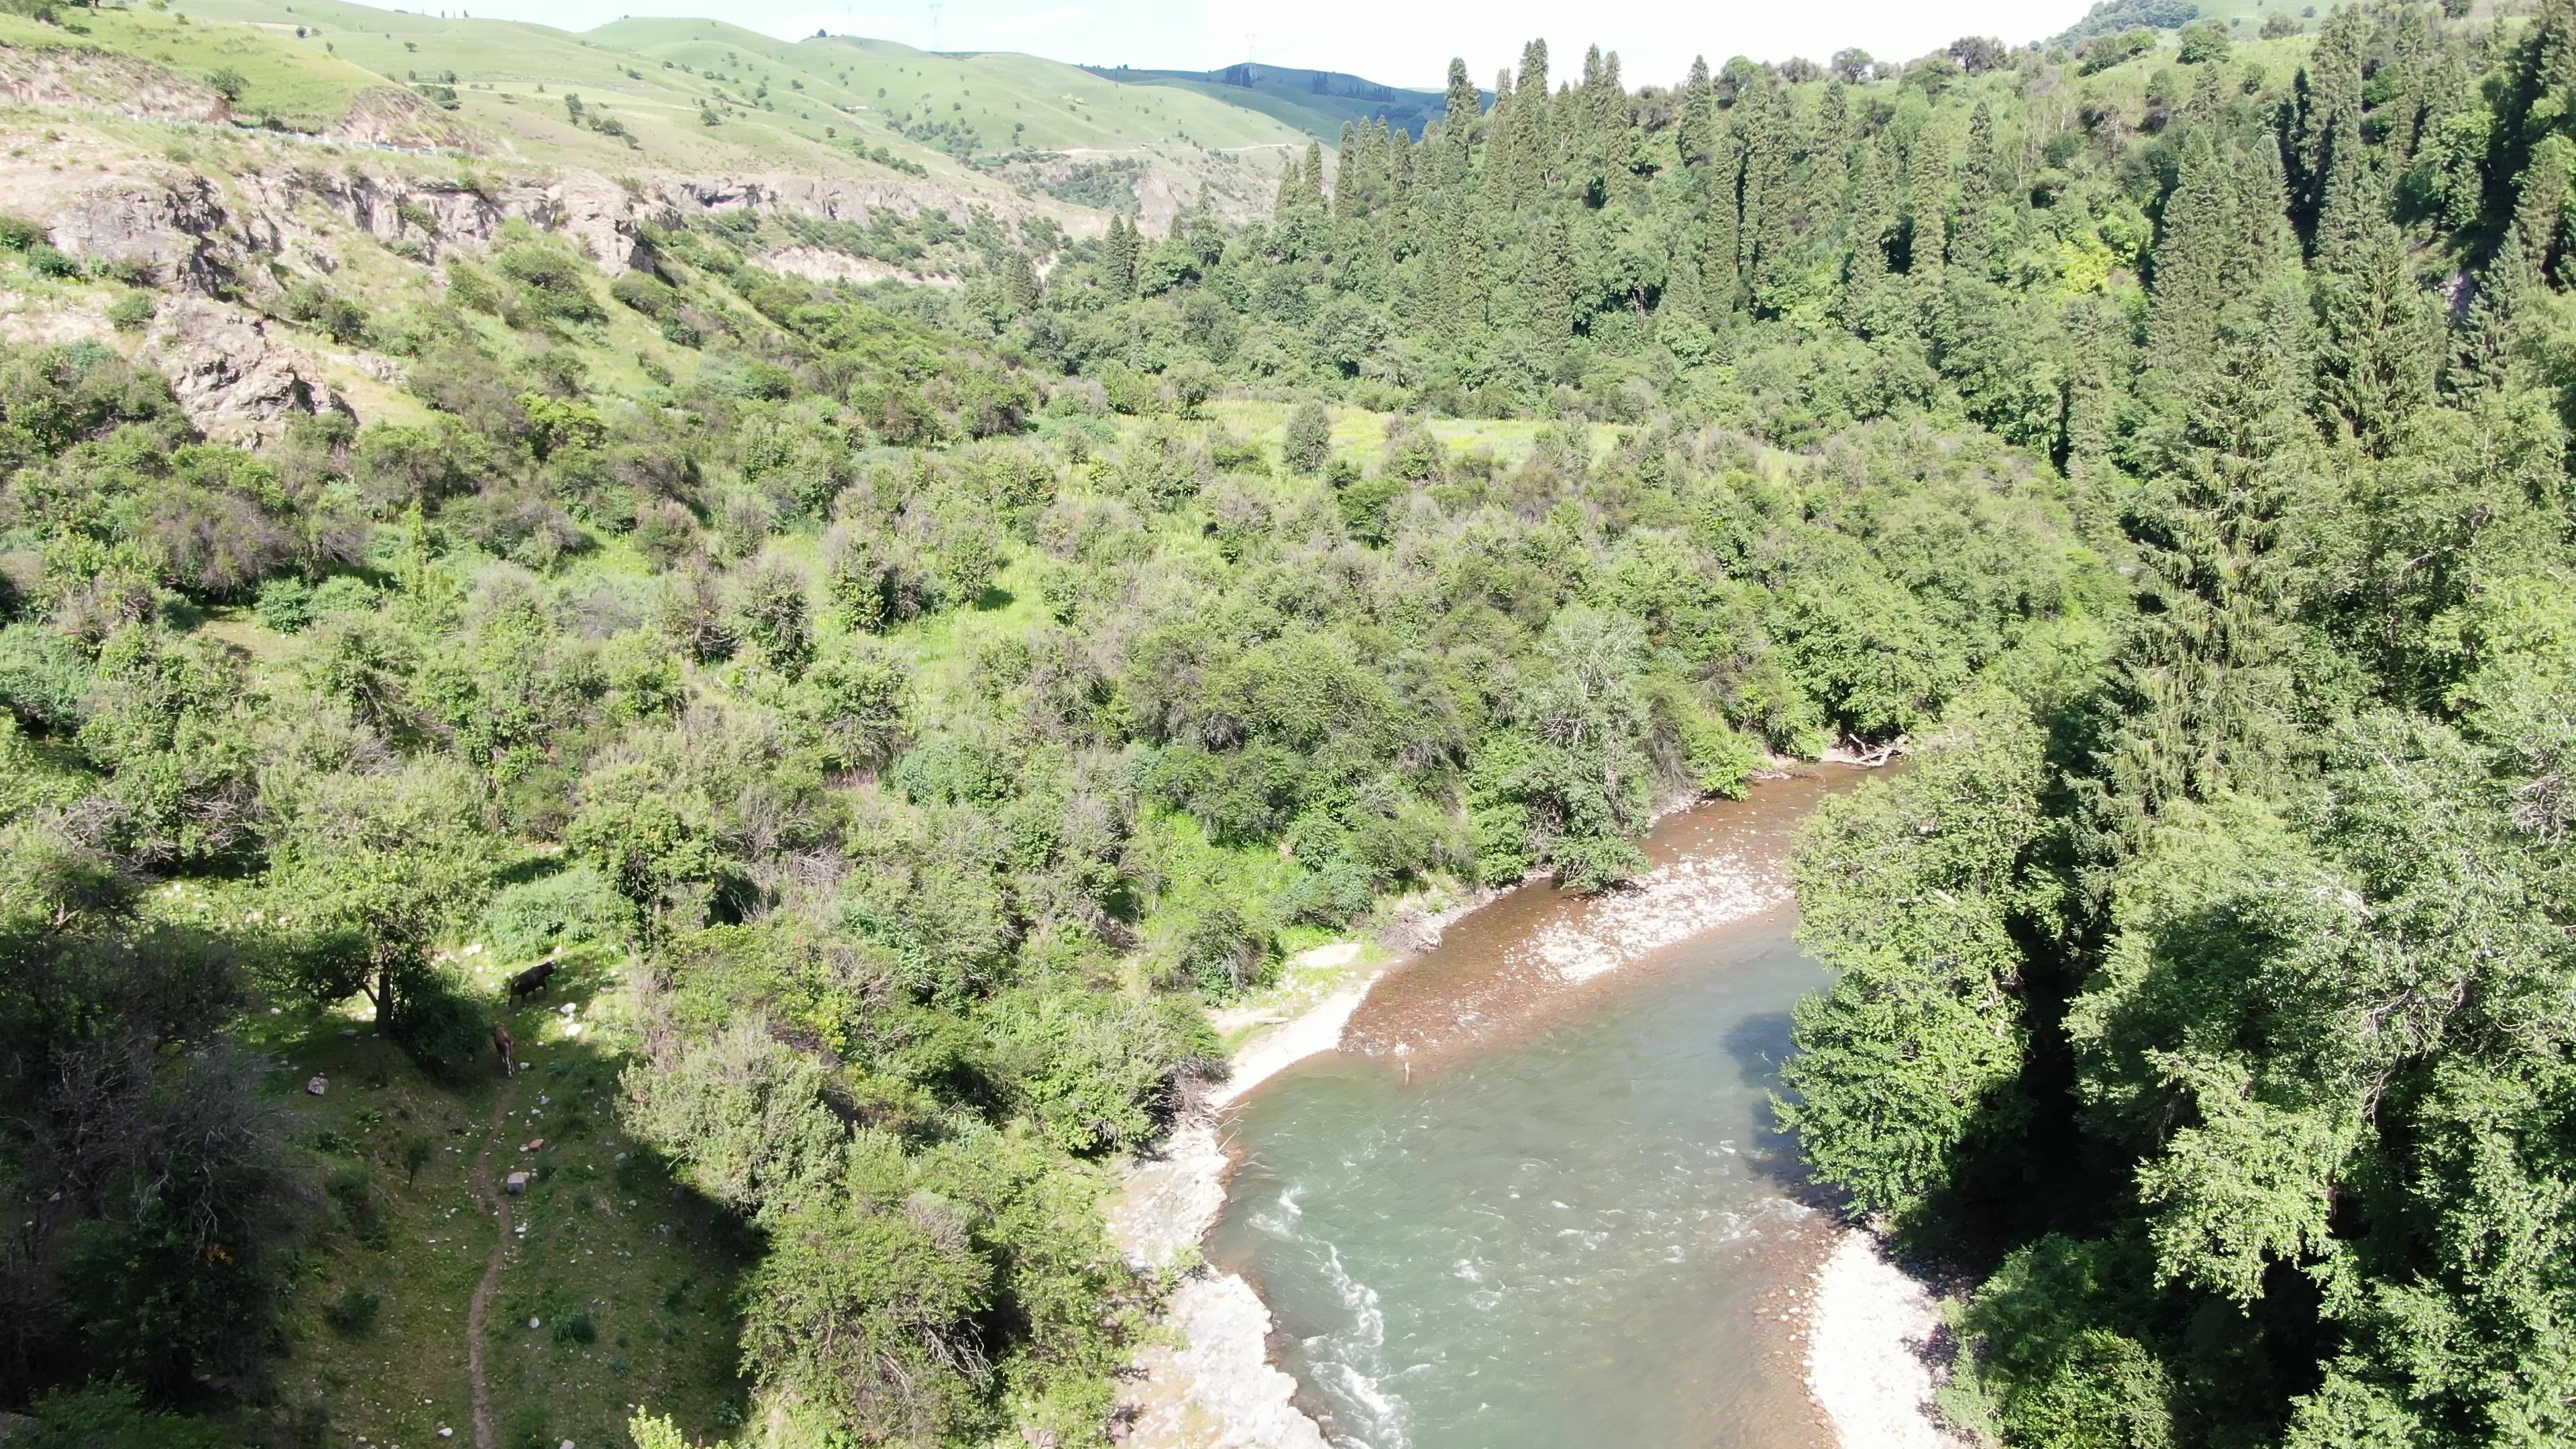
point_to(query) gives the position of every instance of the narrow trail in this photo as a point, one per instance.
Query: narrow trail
(475, 1313)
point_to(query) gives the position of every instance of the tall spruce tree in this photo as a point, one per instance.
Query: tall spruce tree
(1118, 255)
(1695, 129)
(2380, 346)
(1972, 237)
(1873, 217)
(2329, 110)
(1461, 106)
(2198, 258)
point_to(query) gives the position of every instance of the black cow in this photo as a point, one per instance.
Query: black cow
(531, 981)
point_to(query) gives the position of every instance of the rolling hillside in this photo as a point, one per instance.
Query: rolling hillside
(703, 99)
(1317, 102)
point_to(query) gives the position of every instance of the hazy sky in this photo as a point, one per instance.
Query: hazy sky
(1392, 41)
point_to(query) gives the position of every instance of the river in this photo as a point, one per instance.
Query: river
(1535, 1200)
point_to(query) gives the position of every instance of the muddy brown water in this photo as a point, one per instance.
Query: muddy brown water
(1536, 1200)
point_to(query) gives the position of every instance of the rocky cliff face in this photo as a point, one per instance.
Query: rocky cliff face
(166, 224)
(228, 238)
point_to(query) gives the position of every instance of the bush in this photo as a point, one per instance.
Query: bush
(353, 1313)
(548, 284)
(286, 604)
(109, 1414)
(132, 312)
(42, 678)
(1223, 952)
(1309, 441)
(575, 906)
(442, 1026)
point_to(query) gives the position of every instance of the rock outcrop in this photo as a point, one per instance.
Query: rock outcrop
(392, 116)
(163, 225)
(236, 382)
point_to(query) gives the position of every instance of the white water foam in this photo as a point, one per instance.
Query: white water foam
(1355, 1364)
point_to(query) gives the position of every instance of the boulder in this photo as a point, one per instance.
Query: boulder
(317, 1085)
(516, 1183)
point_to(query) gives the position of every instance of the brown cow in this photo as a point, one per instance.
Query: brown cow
(507, 1046)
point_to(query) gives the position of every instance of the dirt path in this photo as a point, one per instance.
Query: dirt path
(484, 1437)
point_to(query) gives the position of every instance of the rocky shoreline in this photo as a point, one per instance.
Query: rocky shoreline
(1207, 1381)
(1874, 1350)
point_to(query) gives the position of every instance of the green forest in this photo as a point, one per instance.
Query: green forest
(910, 708)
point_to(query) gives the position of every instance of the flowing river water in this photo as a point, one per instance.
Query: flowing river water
(1535, 1201)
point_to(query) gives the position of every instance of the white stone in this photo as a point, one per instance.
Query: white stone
(517, 1182)
(316, 1085)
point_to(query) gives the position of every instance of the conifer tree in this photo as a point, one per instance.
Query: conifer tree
(1829, 160)
(1873, 216)
(1972, 235)
(2329, 109)
(2096, 332)
(1019, 282)
(1552, 282)
(1347, 159)
(1762, 240)
(2493, 337)
(1720, 182)
(1118, 255)
(2380, 343)
(1533, 132)
(1927, 208)
(1462, 268)
(1462, 107)
(1606, 119)
(1311, 181)
(2269, 245)
(1502, 146)
(2207, 694)
(2194, 257)
(1695, 131)
(2540, 202)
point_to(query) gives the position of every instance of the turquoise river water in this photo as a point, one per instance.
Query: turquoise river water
(1540, 1205)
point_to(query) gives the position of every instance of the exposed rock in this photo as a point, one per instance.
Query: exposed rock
(317, 1085)
(78, 75)
(516, 1184)
(236, 382)
(825, 264)
(41, 327)
(392, 116)
(165, 224)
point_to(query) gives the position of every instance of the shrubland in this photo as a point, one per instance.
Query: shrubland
(932, 697)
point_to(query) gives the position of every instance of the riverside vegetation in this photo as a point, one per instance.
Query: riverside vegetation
(919, 702)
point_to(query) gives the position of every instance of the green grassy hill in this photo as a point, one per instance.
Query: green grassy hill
(2244, 18)
(1317, 102)
(704, 98)
(966, 104)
